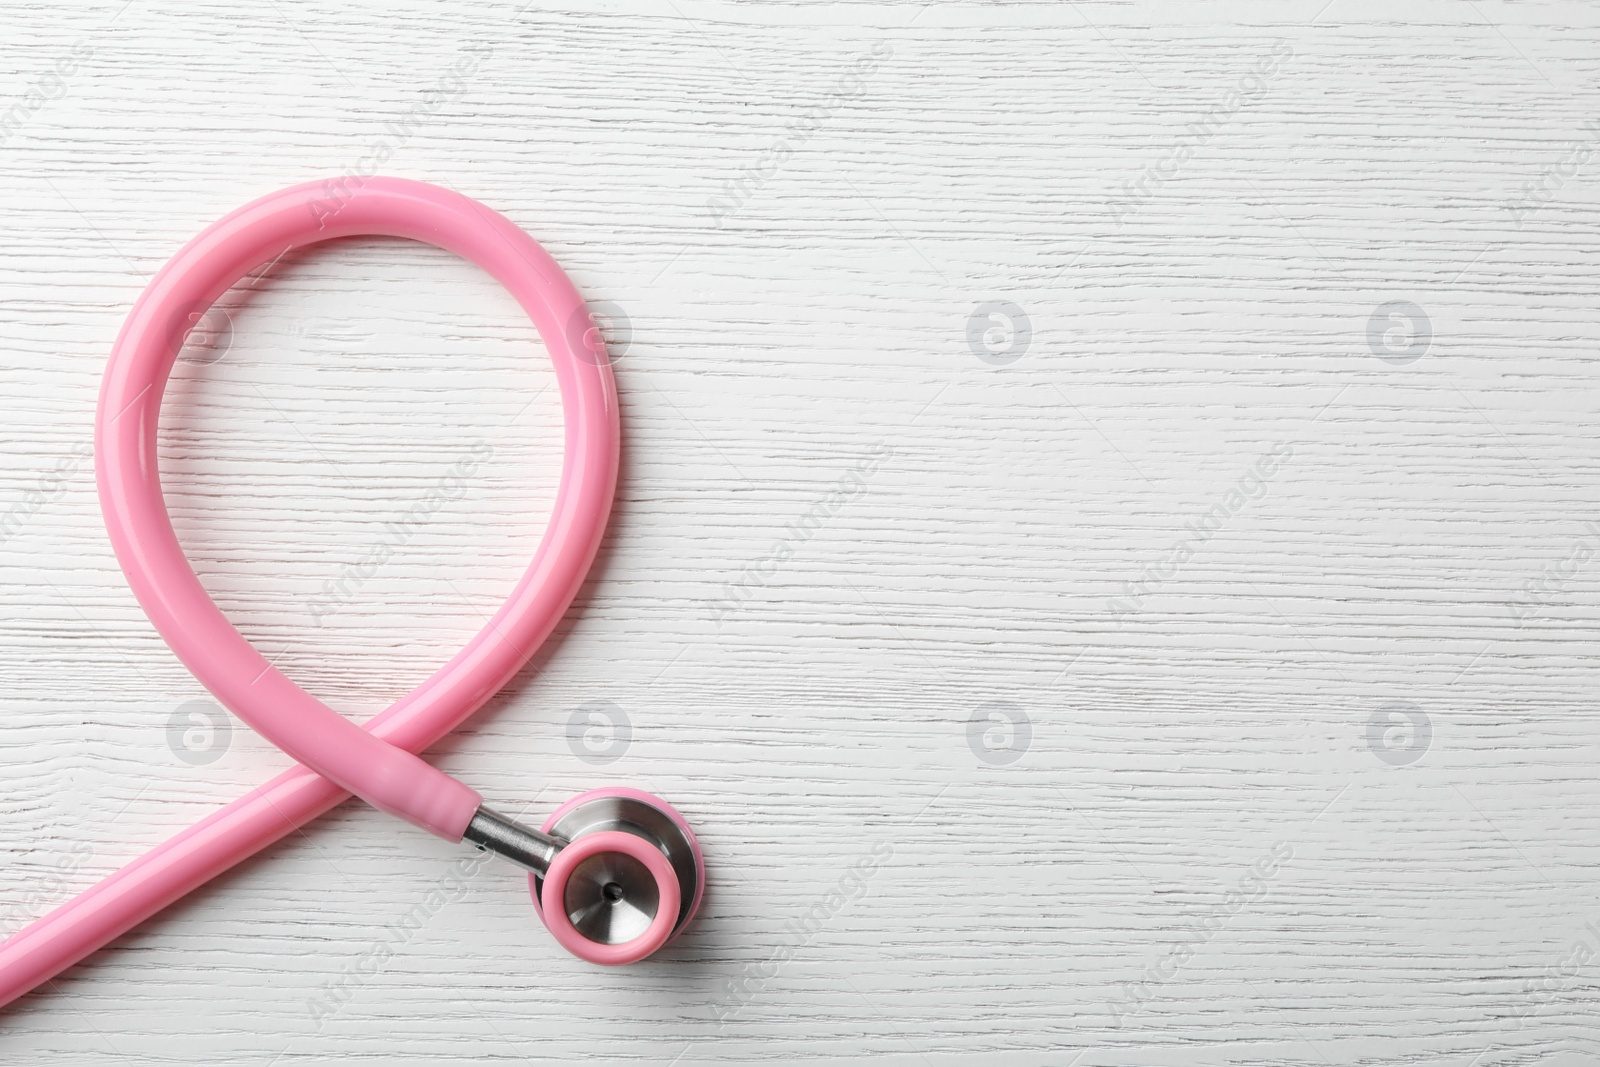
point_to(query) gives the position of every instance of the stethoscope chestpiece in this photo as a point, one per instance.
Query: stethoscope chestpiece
(615, 873)
(612, 898)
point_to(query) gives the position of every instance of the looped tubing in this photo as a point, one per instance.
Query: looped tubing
(388, 777)
(376, 762)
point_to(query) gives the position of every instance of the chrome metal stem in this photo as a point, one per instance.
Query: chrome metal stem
(489, 831)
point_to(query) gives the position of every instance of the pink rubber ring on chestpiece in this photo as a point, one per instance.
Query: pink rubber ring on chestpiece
(377, 762)
(555, 888)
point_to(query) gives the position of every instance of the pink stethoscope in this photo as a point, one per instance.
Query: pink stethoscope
(615, 873)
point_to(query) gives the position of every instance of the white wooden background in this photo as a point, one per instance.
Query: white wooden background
(1317, 788)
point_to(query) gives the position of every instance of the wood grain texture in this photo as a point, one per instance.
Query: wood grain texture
(841, 536)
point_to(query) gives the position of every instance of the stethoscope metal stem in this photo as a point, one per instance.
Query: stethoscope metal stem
(489, 831)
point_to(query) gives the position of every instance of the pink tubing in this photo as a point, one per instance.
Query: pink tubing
(378, 761)
(555, 886)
